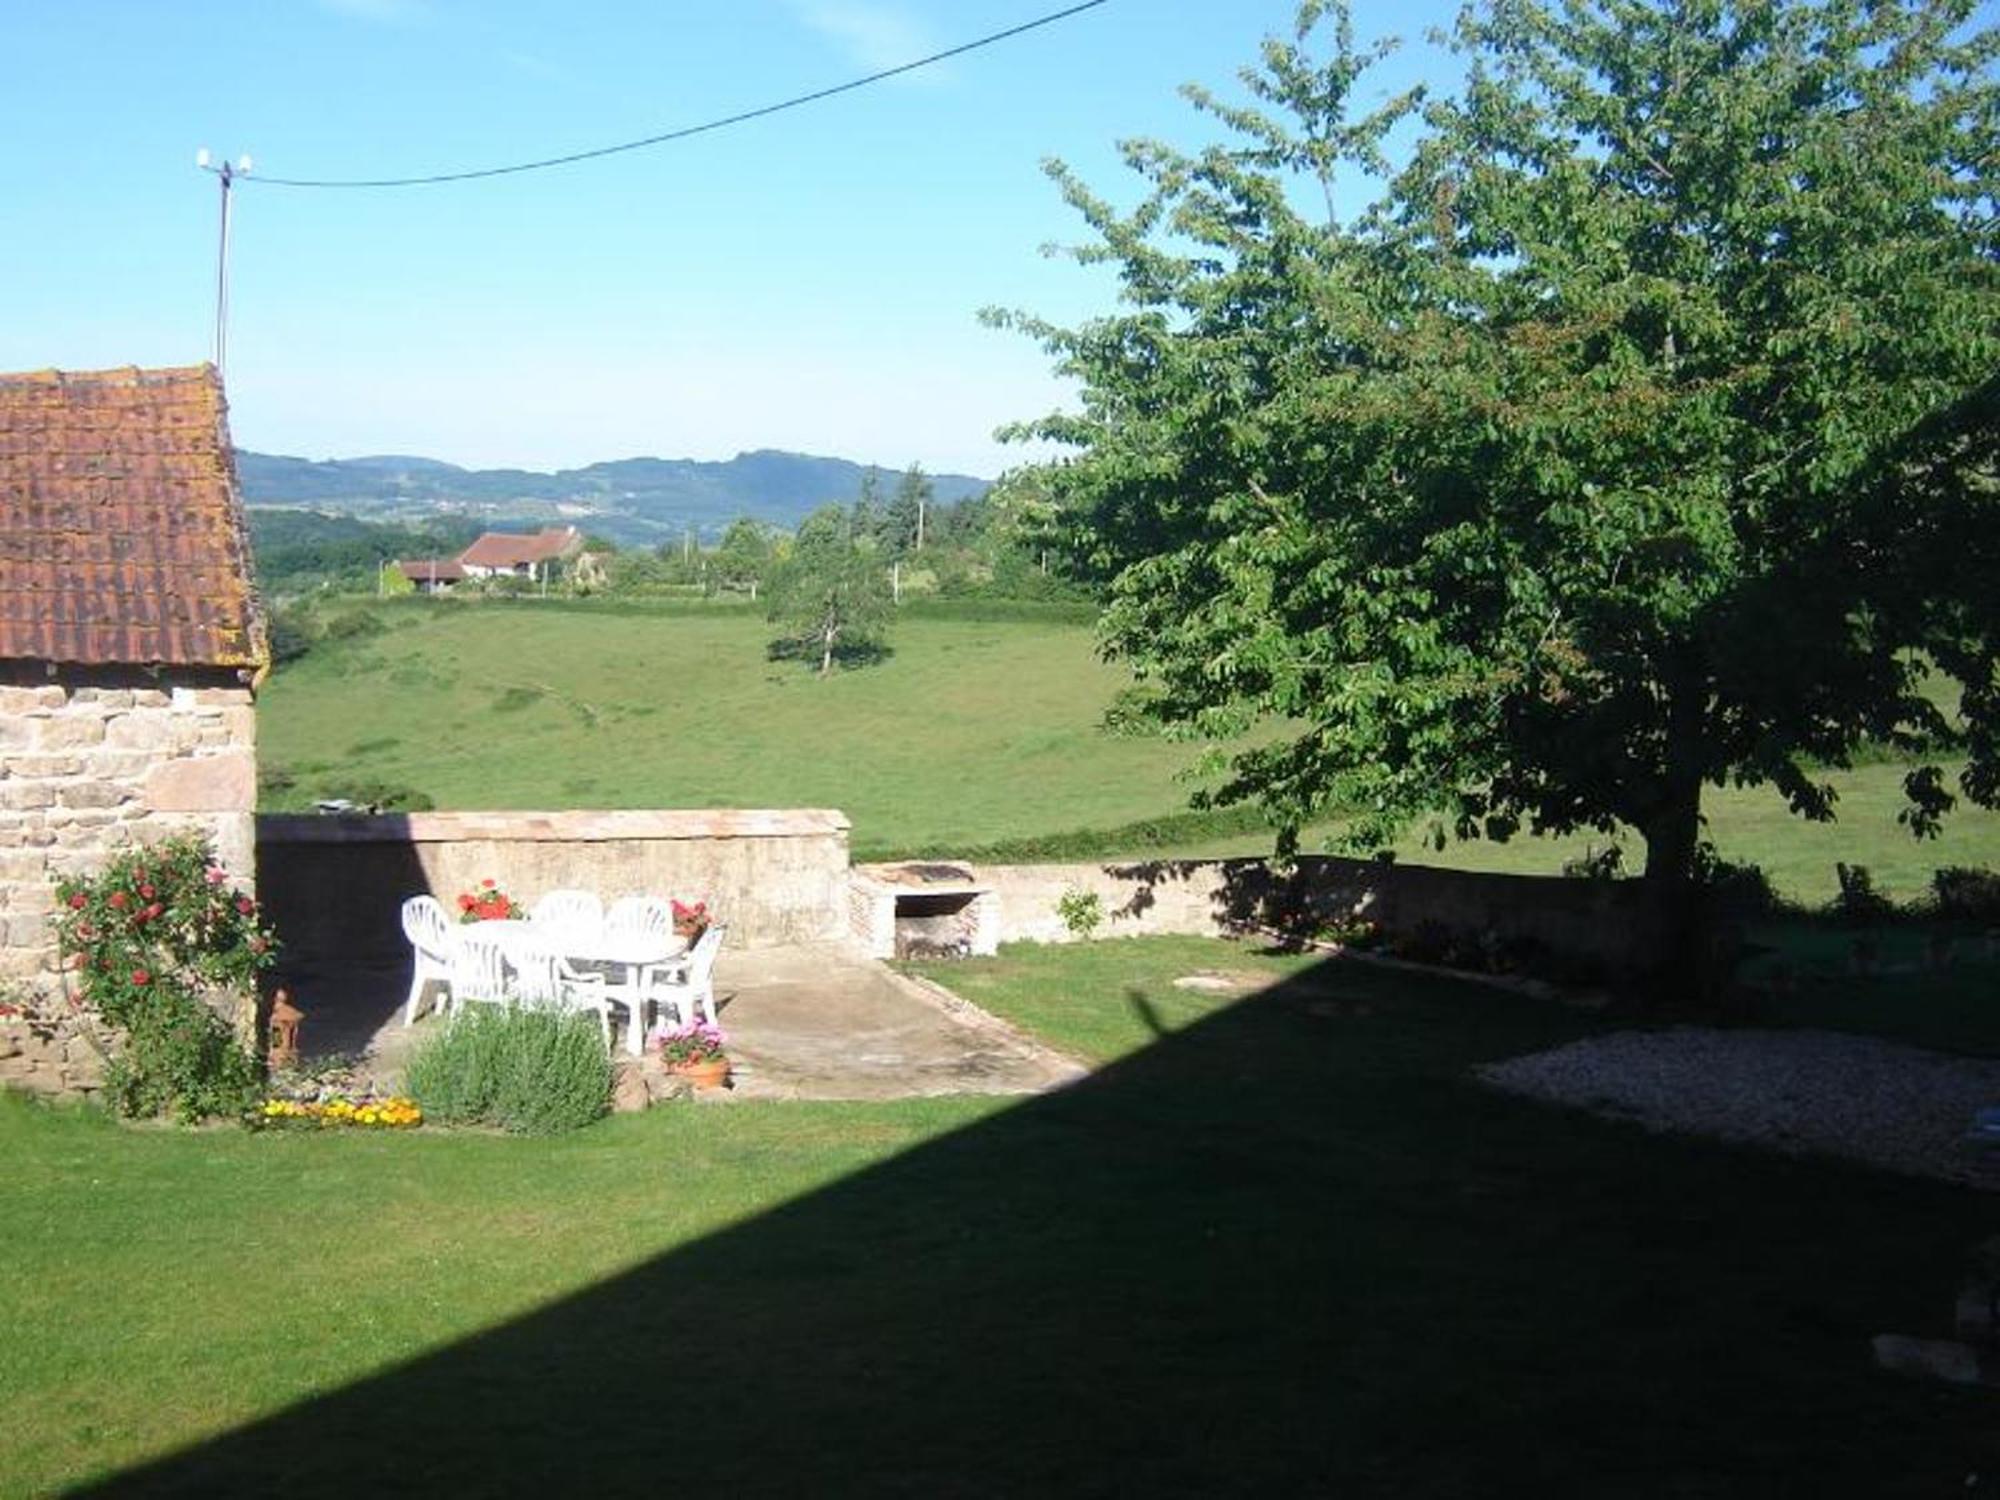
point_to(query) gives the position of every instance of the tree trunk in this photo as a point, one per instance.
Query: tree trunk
(1677, 980)
(1672, 836)
(827, 633)
(1690, 970)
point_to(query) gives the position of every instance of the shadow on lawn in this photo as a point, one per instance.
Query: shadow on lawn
(1286, 1250)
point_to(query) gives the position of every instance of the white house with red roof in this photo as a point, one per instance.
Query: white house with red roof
(497, 554)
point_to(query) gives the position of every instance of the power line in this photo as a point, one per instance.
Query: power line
(682, 134)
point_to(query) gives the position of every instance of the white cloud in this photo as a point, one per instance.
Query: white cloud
(878, 37)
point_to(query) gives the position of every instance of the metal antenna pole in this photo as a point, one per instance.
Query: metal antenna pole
(226, 174)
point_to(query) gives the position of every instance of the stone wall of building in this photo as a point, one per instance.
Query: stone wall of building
(52, 1052)
(92, 761)
(334, 885)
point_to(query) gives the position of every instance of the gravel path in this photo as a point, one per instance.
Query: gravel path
(1803, 1092)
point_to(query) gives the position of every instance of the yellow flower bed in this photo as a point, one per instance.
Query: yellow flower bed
(383, 1114)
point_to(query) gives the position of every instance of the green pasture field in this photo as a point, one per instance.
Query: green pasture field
(968, 733)
(1281, 1246)
(978, 734)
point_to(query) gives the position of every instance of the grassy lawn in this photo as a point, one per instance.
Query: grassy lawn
(1279, 1246)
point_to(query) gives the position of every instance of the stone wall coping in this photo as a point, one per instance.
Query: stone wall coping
(548, 827)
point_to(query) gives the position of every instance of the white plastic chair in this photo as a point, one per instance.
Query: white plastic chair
(639, 916)
(542, 976)
(479, 969)
(432, 941)
(689, 986)
(576, 915)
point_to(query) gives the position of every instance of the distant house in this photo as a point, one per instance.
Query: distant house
(509, 554)
(433, 575)
(131, 635)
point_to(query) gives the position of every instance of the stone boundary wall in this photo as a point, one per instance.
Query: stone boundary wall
(93, 760)
(1601, 920)
(334, 886)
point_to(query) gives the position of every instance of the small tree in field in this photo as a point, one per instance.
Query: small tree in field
(1639, 438)
(903, 523)
(830, 594)
(744, 555)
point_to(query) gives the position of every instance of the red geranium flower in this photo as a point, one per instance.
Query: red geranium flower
(142, 976)
(119, 899)
(146, 891)
(245, 905)
(79, 901)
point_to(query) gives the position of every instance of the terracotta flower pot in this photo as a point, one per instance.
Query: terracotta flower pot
(711, 1073)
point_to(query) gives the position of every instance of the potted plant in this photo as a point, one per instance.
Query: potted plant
(690, 921)
(486, 902)
(694, 1051)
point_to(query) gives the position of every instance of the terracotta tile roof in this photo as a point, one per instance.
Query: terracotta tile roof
(424, 569)
(122, 537)
(507, 549)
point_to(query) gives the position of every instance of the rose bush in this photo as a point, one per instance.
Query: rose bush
(151, 944)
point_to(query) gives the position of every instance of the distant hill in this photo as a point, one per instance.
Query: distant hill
(629, 499)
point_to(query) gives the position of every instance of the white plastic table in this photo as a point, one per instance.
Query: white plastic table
(631, 952)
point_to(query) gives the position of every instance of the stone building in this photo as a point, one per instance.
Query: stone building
(131, 635)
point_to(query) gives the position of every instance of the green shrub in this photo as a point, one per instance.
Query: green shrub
(1081, 911)
(1964, 894)
(152, 942)
(1859, 901)
(528, 1070)
(1736, 888)
(1133, 713)
(180, 1058)
(1607, 863)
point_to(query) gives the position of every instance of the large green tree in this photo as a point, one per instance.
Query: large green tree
(1631, 433)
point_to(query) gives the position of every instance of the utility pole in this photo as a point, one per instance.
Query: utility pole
(226, 175)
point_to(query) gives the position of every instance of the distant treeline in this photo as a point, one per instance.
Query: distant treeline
(987, 546)
(303, 551)
(989, 552)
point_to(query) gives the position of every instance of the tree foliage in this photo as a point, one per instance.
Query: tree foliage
(908, 514)
(745, 556)
(830, 595)
(1637, 435)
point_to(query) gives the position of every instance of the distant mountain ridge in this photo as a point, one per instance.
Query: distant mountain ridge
(629, 499)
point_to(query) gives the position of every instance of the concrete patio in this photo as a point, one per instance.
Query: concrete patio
(804, 1022)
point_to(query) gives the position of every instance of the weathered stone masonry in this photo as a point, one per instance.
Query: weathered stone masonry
(95, 759)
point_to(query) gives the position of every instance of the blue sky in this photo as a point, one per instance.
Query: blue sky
(809, 281)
